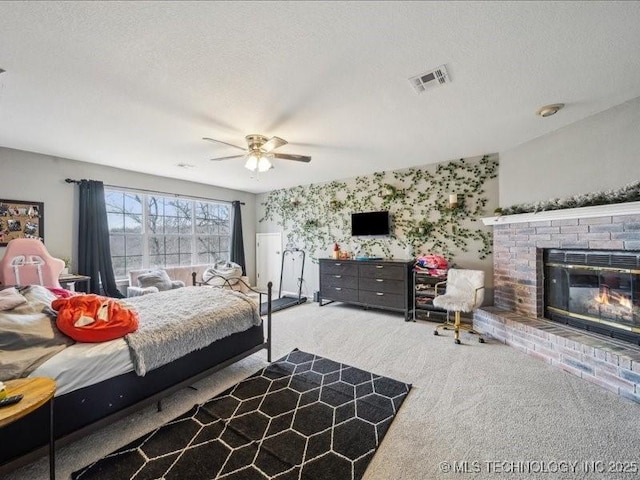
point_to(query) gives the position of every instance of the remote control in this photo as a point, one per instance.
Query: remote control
(10, 400)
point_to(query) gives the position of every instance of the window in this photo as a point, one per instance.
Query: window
(125, 218)
(149, 230)
(170, 228)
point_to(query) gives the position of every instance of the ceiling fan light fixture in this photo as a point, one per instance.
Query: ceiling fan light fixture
(251, 163)
(264, 164)
(259, 154)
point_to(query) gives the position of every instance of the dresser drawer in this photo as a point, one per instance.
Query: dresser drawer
(385, 285)
(338, 280)
(381, 299)
(340, 294)
(338, 267)
(380, 270)
(380, 284)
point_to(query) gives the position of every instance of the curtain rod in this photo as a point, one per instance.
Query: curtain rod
(70, 180)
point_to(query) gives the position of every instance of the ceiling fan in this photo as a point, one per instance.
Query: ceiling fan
(259, 152)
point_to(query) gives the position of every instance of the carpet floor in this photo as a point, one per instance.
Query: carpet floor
(486, 409)
(302, 417)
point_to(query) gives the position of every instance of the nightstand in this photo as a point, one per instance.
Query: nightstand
(71, 278)
(37, 391)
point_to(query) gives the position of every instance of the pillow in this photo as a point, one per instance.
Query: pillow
(156, 278)
(92, 318)
(137, 291)
(10, 298)
(229, 271)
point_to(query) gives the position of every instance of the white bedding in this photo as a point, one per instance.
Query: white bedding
(84, 364)
(176, 322)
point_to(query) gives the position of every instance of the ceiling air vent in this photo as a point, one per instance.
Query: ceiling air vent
(431, 79)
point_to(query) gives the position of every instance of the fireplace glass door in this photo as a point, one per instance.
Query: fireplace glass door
(602, 298)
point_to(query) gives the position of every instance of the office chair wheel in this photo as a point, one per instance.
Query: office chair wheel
(457, 340)
(435, 332)
(481, 340)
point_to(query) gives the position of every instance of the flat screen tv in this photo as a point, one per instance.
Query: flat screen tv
(369, 223)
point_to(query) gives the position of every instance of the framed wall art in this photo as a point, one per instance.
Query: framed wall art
(21, 219)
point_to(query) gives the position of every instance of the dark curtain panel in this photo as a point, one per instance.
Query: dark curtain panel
(237, 243)
(94, 251)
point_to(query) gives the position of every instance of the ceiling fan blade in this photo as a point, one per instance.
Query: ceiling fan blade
(273, 143)
(220, 141)
(297, 158)
(225, 158)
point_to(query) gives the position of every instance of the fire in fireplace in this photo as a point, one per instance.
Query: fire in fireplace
(594, 290)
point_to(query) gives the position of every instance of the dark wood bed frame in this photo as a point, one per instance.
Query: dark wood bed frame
(81, 412)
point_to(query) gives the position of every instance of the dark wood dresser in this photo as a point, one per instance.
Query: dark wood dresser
(384, 284)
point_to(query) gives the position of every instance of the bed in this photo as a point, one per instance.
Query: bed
(100, 383)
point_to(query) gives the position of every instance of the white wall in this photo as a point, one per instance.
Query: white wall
(598, 153)
(40, 178)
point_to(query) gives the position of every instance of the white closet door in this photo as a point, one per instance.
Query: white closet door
(268, 260)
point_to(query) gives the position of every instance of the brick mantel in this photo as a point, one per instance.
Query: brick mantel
(519, 242)
(517, 319)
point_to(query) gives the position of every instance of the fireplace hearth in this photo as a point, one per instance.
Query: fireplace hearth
(595, 256)
(596, 290)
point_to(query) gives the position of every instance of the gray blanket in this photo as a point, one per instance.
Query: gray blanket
(176, 322)
(28, 335)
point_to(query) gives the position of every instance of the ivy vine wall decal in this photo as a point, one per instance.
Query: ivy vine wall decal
(315, 217)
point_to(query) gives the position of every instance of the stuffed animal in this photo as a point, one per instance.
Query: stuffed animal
(92, 318)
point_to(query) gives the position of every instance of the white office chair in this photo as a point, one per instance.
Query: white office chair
(464, 293)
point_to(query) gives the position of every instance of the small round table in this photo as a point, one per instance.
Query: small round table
(37, 391)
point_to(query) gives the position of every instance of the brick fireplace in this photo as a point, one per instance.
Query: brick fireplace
(517, 317)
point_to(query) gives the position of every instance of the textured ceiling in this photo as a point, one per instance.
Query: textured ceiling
(136, 85)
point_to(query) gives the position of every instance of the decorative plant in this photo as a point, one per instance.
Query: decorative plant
(391, 193)
(425, 227)
(311, 224)
(67, 264)
(335, 205)
(418, 199)
(628, 193)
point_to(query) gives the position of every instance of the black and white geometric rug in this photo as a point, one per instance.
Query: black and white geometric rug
(302, 417)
